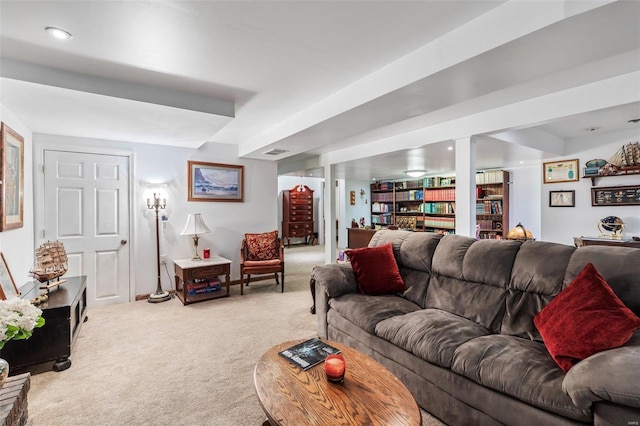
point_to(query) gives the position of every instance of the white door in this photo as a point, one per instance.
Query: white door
(86, 197)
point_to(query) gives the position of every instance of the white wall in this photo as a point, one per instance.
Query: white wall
(163, 169)
(561, 224)
(524, 199)
(17, 244)
(362, 208)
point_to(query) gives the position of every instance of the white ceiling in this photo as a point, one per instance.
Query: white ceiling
(358, 83)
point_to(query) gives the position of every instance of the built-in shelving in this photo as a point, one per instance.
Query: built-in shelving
(429, 204)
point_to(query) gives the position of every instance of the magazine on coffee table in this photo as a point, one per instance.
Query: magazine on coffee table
(308, 353)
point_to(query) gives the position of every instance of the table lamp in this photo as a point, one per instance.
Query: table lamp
(195, 225)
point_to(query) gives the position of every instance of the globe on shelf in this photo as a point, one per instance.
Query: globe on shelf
(613, 224)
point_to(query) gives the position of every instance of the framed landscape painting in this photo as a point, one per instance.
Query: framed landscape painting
(215, 182)
(12, 175)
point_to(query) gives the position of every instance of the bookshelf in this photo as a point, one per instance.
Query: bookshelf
(428, 204)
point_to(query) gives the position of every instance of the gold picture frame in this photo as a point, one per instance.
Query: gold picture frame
(7, 284)
(561, 171)
(215, 182)
(12, 175)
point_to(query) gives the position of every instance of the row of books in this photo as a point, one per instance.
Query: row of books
(435, 182)
(411, 195)
(438, 208)
(382, 219)
(440, 195)
(492, 176)
(489, 224)
(489, 207)
(490, 236)
(204, 286)
(377, 207)
(382, 196)
(440, 222)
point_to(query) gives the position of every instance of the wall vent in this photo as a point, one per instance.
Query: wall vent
(276, 151)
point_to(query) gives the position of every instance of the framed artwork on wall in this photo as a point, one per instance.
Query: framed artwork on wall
(560, 171)
(8, 287)
(12, 175)
(215, 182)
(562, 198)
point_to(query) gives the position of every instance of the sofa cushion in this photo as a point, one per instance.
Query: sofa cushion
(517, 367)
(613, 263)
(537, 276)
(430, 334)
(585, 318)
(469, 278)
(366, 311)
(376, 270)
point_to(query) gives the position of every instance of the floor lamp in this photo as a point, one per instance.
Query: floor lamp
(157, 204)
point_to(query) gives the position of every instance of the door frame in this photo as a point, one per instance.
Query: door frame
(61, 143)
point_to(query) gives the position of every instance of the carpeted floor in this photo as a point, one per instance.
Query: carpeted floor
(168, 364)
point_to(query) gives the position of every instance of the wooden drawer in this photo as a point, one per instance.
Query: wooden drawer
(301, 207)
(300, 196)
(300, 232)
(300, 217)
(305, 202)
(207, 271)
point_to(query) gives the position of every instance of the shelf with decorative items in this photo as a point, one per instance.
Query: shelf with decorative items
(429, 204)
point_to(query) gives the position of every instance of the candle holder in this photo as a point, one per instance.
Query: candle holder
(335, 367)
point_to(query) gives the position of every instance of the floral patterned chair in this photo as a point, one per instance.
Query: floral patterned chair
(262, 254)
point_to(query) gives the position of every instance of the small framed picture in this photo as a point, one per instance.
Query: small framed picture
(215, 182)
(560, 171)
(562, 198)
(8, 287)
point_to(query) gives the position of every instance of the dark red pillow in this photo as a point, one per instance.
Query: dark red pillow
(376, 270)
(585, 318)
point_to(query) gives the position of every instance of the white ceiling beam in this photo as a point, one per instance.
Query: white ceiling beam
(505, 23)
(39, 74)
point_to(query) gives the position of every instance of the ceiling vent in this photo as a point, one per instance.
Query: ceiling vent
(276, 151)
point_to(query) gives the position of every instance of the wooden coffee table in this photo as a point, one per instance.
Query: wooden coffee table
(370, 394)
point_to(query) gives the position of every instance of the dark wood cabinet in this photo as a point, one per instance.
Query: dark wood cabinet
(359, 238)
(49, 348)
(297, 213)
(595, 241)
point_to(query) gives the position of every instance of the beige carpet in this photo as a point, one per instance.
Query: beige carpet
(168, 364)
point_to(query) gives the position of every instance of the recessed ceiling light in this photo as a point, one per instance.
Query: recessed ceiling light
(450, 148)
(416, 173)
(592, 129)
(59, 33)
(522, 162)
(634, 120)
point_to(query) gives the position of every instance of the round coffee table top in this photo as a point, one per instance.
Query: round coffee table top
(370, 394)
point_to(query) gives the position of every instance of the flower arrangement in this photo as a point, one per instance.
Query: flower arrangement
(18, 319)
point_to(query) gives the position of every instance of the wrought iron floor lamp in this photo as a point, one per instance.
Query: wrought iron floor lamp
(157, 204)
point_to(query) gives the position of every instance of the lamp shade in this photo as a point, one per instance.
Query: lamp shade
(195, 225)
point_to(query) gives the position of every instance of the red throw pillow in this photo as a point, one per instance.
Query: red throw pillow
(262, 246)
(585, 318)
(376, 270)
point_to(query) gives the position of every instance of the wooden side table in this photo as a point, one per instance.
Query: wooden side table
(188, 270)
(13, 400)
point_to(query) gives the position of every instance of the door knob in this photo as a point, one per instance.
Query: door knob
(123, 242)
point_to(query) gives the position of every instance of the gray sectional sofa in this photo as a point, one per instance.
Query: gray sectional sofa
(462, 336)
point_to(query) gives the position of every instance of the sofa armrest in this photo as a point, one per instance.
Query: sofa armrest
(331, 280)
(611, 375)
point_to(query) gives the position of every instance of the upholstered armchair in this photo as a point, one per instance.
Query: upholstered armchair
(262, 254)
